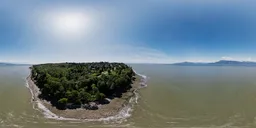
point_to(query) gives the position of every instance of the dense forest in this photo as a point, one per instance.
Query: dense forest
(81, 83)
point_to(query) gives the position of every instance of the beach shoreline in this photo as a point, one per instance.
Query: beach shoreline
(118, 108)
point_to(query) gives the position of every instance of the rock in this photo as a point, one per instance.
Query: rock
(86, 106)
(105, 101)
(91, 106)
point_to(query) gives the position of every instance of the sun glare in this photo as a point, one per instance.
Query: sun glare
(69, 25)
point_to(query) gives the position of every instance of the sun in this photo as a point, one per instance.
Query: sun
(69, 24)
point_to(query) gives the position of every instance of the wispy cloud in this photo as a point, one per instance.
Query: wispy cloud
(124, 53)
(101, 39)
(227, 58)
(237, 58)
(161, 31)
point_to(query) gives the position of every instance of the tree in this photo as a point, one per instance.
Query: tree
(62, 103)
(100, 96)
(79, 83)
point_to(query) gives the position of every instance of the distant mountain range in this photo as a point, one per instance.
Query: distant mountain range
(12, 64)
(219, 63)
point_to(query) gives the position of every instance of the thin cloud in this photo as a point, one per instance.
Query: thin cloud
(103, 43)
(227, 58)
(237, 58)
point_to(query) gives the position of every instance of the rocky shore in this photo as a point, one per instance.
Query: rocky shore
(113, 108)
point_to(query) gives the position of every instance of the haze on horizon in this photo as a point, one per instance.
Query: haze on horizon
(163, 31)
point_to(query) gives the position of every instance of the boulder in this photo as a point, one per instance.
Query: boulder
(91, 106)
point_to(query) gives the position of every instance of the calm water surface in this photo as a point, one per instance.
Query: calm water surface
(176, 97)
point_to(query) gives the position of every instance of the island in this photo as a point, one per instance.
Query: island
(83, 90)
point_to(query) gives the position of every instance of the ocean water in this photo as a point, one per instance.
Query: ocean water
(176, 97)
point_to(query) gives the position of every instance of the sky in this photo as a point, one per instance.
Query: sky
(132, 31)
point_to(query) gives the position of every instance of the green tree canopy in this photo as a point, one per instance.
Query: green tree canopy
(79, 83)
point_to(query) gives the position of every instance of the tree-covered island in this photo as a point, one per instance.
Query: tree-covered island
(80, 84)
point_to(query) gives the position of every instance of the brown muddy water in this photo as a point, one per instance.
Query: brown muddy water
(176, 97)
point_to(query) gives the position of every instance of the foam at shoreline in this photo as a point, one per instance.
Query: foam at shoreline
(144, 79)
(40, 107)
(120, 117)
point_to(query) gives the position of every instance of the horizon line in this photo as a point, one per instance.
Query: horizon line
(25, 63)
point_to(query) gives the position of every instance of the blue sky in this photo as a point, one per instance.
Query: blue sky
(152, 31)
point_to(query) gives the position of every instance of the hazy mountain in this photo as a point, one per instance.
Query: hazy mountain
(234, 63)
(189, 64)
(219, 63)
(12, 64)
